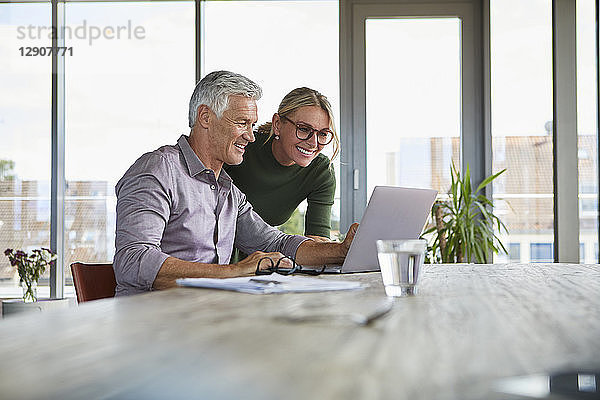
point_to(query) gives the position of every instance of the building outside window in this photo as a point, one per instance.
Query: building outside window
(541, 252)
(514, 252)
(587, 121)
(521, 105)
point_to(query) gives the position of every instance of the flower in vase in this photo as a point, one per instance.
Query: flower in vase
(30, 267)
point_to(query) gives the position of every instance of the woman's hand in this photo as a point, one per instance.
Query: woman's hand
(318, 238)
(349, 237)
(319, 253)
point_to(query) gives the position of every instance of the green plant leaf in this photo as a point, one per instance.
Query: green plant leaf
(468, 222)
(466, 183)
(487, 180)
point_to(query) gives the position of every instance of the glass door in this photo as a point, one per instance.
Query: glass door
(413, 101)
(417, 103)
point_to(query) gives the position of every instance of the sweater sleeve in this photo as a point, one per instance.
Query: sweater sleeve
(253, 234)
(317, 221)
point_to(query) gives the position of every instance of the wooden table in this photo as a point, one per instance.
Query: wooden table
(468, 326)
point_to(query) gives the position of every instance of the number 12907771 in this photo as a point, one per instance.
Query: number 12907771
(45, 51)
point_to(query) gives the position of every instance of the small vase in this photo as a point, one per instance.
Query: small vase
(29, 291)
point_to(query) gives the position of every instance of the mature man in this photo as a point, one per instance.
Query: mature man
(179, 214)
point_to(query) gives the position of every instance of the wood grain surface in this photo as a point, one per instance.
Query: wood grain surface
(468, 326)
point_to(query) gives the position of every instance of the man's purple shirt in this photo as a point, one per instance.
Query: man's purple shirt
(170, 204)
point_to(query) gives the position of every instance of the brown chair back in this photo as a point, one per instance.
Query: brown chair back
(93, 281)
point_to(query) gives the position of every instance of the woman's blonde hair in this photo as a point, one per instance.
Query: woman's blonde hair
(304, 97)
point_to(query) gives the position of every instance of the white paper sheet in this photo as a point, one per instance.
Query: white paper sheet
(274, 283)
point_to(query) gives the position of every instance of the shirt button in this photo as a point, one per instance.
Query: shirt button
(212, 187)
(207, 172)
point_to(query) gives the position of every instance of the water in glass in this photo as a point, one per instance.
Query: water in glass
(400, 262)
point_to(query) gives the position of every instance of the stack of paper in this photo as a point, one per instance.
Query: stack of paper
(274, 283)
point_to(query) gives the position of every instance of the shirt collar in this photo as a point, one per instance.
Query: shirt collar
(193, 163)
(225, 176)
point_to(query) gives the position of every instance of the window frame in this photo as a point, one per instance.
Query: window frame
(474, 121)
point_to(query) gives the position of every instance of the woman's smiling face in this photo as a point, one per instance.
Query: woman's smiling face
(289, 150)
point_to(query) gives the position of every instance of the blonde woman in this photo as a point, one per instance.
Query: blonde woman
(284, 165)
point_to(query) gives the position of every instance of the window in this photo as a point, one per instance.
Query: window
(541, 252)
(290, 44)
(521, 107)
(587, 122)
(127, 95)
(514, 252)
(25, 150)
(116, 111)
(413, 132)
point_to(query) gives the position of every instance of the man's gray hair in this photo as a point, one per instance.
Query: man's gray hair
(214, 90)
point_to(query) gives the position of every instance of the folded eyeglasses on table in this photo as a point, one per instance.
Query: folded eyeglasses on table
(269, 267)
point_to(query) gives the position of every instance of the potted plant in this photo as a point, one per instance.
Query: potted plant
(30, 268)
(463, 225)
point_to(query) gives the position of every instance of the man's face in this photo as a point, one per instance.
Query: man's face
(233, 131)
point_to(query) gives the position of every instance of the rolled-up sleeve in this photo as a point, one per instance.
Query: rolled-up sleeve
(143, 208)
(254, 234)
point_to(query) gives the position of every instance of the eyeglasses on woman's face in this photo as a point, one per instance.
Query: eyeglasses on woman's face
(305, 132)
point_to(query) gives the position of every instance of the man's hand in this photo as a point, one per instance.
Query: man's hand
(248, 265)
(310, 252)
(174, 268)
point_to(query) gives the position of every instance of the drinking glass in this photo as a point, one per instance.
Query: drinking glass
(400, 262)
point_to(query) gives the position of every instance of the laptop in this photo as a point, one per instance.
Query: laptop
(392, 213)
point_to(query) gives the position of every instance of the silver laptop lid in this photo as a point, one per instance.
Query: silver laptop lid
(392, 213)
